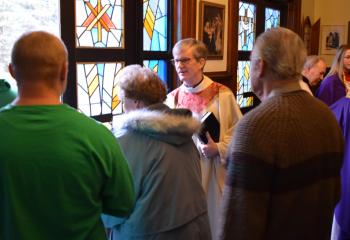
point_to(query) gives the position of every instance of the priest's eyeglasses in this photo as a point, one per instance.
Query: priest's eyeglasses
(183, 61)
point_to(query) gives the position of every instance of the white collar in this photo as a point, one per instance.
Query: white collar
(203, 85)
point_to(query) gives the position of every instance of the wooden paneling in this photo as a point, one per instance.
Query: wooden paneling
(315, 36)
(294, 16)
(185, 15)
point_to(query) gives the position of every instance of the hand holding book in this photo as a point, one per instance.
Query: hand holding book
(211, 125)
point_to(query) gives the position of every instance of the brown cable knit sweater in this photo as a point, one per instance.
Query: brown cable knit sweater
(283, 171)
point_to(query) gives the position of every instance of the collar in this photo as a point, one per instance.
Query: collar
(285, 88)
(203, 84)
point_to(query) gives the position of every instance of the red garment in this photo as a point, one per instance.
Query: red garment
(198, 101)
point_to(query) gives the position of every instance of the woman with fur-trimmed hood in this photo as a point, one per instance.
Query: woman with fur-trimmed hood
(157, 142)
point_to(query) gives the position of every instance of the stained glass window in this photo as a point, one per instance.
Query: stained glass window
(158, 66)
(97, 88)
(155, 25)
(246, 26)
(106, 35)
(99, 23)
(243, 84)
(272, 18)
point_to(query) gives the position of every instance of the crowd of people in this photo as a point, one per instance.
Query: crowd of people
(281, 171)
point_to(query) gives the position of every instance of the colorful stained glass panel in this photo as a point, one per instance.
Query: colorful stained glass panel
(272, 18)
(99, 23)
(155, 21)
(246, 26)
(243, 84)
(97, 88)
(158, 66)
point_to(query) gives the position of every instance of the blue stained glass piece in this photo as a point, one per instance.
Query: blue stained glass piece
(162, 69)
(155, 42)
(161, 26)
(146, 41)
(93, 2)
(109, 12)
(100, 68)
(99, 44)
(162, 5)
(152, 64)
(163, 43)
(153, 4)
(159, 14)
(94, 34)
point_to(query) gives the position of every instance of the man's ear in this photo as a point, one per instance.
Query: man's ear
(260, 67)
(64, 71)
(63, 76)
(202, 61)
(12, 71)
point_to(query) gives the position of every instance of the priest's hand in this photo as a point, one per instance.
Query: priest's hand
(210, 149)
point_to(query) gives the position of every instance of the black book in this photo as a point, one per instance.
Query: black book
(209, 124)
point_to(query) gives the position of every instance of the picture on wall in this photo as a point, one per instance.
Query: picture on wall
(332, 36)
(211, 28)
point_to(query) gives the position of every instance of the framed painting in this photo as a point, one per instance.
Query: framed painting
(211, 28)
(332, 36)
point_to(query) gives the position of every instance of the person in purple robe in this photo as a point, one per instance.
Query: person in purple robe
(341, 222)
(337, 82)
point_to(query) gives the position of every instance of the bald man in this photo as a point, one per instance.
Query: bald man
(59, 170)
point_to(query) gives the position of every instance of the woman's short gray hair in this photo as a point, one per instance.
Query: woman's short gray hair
(140, 83)
(283, 51)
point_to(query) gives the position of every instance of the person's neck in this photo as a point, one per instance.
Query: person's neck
(196, 84)
(23, 101)
(37, 96)
(272, 88)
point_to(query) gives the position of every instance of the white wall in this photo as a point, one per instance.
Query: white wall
(308, 9)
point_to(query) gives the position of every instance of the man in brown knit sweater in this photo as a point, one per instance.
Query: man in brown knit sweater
(285, 157)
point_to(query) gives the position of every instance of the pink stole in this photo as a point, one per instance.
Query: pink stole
(198, 101)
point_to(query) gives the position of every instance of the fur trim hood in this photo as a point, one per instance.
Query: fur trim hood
(163, 123)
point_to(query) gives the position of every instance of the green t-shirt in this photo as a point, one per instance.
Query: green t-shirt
(59, 170)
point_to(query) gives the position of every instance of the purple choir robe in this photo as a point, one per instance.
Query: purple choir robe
(331, 90)
(341, 110)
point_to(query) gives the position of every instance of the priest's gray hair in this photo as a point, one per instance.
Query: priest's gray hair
(199, 49)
